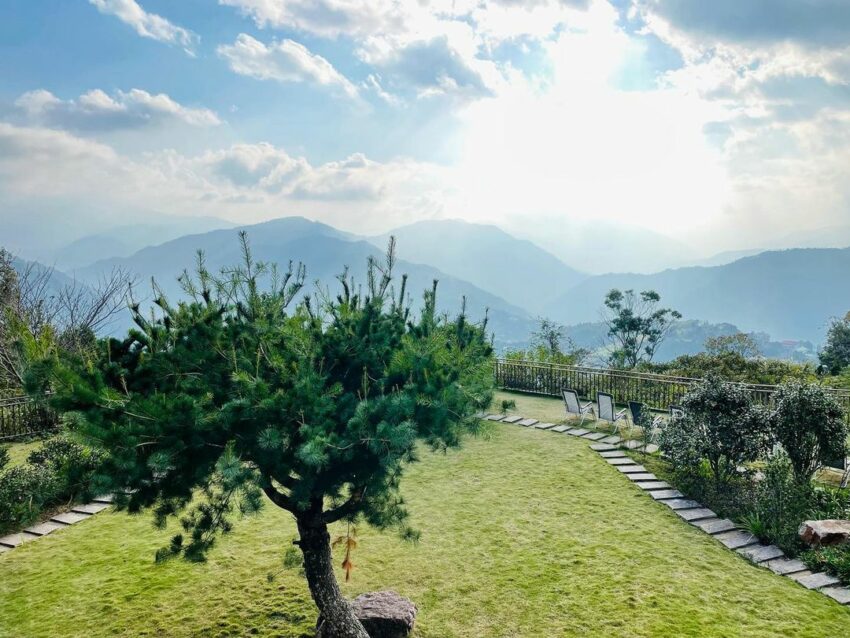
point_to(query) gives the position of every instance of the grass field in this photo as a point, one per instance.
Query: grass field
(524, 534)
(18, 452)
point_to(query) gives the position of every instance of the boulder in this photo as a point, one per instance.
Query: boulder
(825, 533)
(384, 614)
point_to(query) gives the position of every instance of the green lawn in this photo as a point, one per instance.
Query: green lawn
(18, 452)
(524, 534)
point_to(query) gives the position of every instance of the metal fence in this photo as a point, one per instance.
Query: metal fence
(657, 391)
(20, 416)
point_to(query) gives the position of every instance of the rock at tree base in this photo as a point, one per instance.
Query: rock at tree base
(825, 533)
(384, 614)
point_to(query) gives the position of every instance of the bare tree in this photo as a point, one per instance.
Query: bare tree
(35, 312)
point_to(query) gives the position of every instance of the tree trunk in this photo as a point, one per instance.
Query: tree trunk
(338, 619)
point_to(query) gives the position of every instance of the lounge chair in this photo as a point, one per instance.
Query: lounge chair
(607, 410)
(676, 411)
(574, 406)
(643, 418)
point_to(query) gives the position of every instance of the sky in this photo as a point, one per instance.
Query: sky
(720, 124)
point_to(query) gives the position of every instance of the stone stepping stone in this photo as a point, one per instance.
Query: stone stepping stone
(714, 525)
(480, 415)
(737, 539)
(786, 566)
(14, 540)
(642, 476)
(651, 448)
(43, 529)
(650, 486)
(620, 460)
(527, 422)
(495, 417)
(512, 419)
(594, 436)
(616, 454)
(613, 440)
(697, 514)
(661, 495)
(545, 426)
(602, 447)
(681, 504)
(106, 498)
(89, 508)
(761, 553)
(632, 445)
(816, 580)
(69, 518)
(838, 594)
(560, 428)
(631, 469)
(577, 432)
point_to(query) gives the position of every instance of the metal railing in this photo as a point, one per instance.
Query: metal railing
(657, 391)
(20, 416)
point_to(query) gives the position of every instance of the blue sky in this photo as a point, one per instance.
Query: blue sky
(715, 123)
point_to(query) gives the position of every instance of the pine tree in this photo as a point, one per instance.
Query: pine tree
(251, 387)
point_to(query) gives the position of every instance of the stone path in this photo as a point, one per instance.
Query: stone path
(613, 450)
(60, 521)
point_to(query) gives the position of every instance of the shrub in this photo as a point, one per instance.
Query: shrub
(24, 492)
(809, 423)
(721, 427)
(508, 404)
(72, 463)
(4, 457)
(832, 560)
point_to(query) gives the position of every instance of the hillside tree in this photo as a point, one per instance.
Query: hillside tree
(252, 388)
(835, 355)
(637, 326)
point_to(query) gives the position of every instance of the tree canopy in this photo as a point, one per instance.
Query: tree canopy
(250, 386)
(636, 325)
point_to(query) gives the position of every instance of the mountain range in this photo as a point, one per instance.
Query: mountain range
(790, 294)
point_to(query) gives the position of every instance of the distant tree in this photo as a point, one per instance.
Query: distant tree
(739, 343)
(234, 394)
(36, 316)
(810, 425)
(835, 355)
(548, 336)
(636, 325)
(549, 344)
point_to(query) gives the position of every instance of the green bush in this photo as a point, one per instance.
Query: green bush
(832, 560)
(4, 457)
(60, 471)
(809, 423)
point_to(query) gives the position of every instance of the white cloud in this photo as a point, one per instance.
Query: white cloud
(98, 110)
(148, 25)
(284, 61)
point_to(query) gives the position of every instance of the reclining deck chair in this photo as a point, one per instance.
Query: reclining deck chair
(607, 410)
(574, 406)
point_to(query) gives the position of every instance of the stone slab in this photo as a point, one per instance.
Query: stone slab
(681, 504)
(696, 514)
(761, 553)
(663, 495)
(527, 422)
(495, 417)
(838, 594)
(69, 518)
(642, 476)
(631, 469)
(651, 448)
(785, 566)
(43, 529)
(19, 538)
(737, 539)
(620, 460)
(577, 432)
(632, 445)
(714, 525)
(594, 436)
(602, 447)
(614, 454)
(613, 440)
(650, 486)
(816, 580)
(106, 498)
(544, 426)
(512, 419)
(89, 508)
(560, 428)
